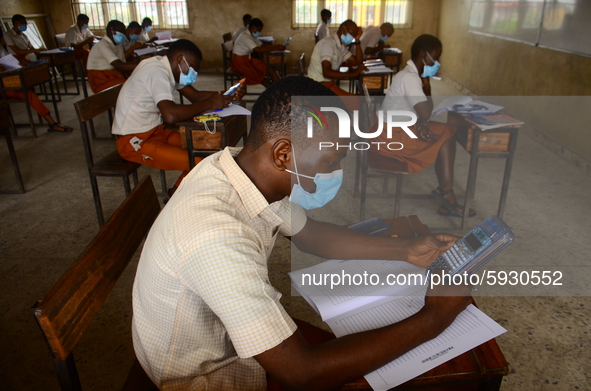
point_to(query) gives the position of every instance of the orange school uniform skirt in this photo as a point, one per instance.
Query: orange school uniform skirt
(101, 80)
(416, 153)
(252, 69)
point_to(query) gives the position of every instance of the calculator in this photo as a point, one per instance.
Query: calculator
(475, 249)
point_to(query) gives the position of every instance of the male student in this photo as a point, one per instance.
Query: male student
(143, 37)
(106, 62)
(436, 143)
(323, 31)
(373, 38)
(78, 35)
(146, 104)
(205, 315)
(132, 36)
(246, 18)
(331, 53)
(34, 101)
(17, 42)
(253, 69)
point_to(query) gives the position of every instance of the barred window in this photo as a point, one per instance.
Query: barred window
(165, 14)
(306, 13)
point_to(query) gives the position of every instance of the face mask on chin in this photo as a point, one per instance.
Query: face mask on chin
(327, 187)
(347, 39)
(430, 70)
(119, 38)
(189, 78)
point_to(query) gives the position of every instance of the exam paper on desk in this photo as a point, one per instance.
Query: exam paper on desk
(354, 308)
(230, 110)
(9, 62)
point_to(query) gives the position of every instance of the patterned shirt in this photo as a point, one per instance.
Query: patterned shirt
(203, 305)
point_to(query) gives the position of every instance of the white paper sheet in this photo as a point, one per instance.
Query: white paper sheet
(471, 328)
(230, 110)
(9, 62)
(378, 69)
(164, 35)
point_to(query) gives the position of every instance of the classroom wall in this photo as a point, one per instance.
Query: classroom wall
(11, 7)
(491, 66)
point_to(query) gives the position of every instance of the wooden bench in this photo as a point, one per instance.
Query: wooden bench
(71, 304)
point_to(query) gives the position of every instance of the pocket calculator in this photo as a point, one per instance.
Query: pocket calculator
(476, 248)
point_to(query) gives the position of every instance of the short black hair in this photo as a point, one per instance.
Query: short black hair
(325, 12)
(425, 42)
(246, 17)
(273, 112)
(184, 45)
(146, 21)
(134, 25)
(347, 22)
(82, 17)
(17, 18)
(256, 22)
(114, 24)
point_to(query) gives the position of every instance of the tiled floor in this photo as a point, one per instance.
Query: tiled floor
(43, 230)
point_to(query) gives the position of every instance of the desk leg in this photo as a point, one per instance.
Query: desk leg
(57, 85)
(471, 185)
(507, 175)
(11, 151)
(57, 113)
(28, 106)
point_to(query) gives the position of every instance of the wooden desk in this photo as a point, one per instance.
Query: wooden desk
(496, 143)
(5, 126)
(276, 59)
(57, 60)
(481, 368)
(200, 143)
(392, 59)
(25, 78)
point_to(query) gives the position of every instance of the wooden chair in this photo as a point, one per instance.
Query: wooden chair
(302, 65)
(65, 312)
(112, 165)
(371, 165)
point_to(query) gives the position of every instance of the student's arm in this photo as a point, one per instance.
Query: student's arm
(376, 49)
(173, 113)
(24, 52)
(297, 365)
(123, 66)
(129, 52)
(329, 73)
(335, 242)
(77, 46)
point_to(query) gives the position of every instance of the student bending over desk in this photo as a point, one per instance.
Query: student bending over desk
(246, 18)
(205, 315)
(143, 37)
(373, 38)
(132, 34)
(34, 101)
(106, 62)
(253, 69)
(331, 53)
(436, 143)
(146, 101)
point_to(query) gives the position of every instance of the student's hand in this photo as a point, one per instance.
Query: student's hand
(218, 101)
(240, 91)
(424, 250)
(386, 46)
(87, 41)
(444, 302)
(359, 33)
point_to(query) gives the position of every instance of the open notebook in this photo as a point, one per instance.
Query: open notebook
(350, 308)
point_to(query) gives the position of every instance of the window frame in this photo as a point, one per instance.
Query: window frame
(162, 22)
(321, 4)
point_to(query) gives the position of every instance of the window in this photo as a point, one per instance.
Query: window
(306, 13)
(165, 14)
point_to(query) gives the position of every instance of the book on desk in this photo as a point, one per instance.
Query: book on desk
(353, 308)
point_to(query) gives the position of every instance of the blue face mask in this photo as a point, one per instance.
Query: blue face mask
(84, 27)
(256, 34)
(22, 27)
(133, 37)
(347, 39)
(147, 28)
(383, 38)
(327, 187)
(188, 79)
(119, 38)
(430, 70)
(329, 21)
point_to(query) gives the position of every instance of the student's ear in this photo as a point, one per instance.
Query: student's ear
(282, 150)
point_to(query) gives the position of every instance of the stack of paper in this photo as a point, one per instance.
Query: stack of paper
(378, 69)
(9, 62)
(350, 308)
